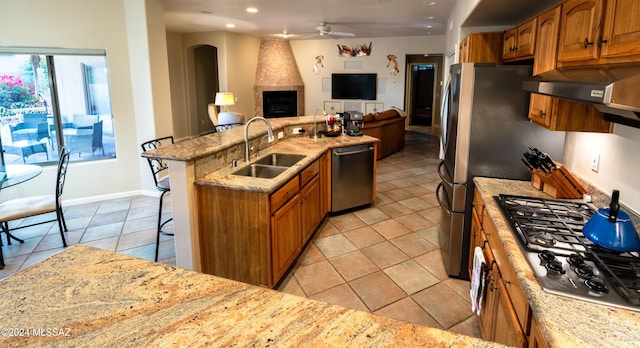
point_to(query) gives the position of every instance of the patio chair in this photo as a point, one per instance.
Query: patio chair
(159, 170)
(91, 141)
(21, 208)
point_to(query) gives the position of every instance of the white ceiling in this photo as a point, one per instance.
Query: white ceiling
(364, 18)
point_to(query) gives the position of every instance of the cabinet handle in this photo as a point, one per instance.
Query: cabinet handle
(483, 245)
(600, 41)
(505, 282)
(586, 43)
(541, 114)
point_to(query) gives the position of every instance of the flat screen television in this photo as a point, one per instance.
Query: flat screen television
(354, 86)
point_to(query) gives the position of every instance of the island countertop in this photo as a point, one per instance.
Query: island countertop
(564, 322)
(93, 298)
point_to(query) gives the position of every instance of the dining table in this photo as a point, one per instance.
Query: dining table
(14, 174)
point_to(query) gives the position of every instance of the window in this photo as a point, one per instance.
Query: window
(51, 98)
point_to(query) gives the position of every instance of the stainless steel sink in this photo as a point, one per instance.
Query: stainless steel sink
(260, 171)
(280, 159)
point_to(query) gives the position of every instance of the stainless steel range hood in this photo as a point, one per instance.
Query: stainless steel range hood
(613, 89)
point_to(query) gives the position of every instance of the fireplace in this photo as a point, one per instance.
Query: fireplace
(280, 103)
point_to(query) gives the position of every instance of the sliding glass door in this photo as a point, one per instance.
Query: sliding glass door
(55, 99)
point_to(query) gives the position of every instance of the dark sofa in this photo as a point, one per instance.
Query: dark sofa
(388, 126)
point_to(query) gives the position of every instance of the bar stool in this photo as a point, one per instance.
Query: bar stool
(161, 178)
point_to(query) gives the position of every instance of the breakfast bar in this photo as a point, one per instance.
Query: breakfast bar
(87, 297)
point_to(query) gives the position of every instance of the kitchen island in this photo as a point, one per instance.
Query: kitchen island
(208, 161)
(563, 321)
(86, 297)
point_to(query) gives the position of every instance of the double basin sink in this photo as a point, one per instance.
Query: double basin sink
(269, 166)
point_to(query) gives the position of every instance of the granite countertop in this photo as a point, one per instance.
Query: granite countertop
(300, 145)
(564, 322)
(206, 145)
(94, 298)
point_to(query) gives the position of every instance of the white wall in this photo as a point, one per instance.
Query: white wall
(619, 161)
(305, 52)
(100, 24)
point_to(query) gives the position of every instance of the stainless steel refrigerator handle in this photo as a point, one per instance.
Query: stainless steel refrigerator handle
(351, 152)
(443, 177)
(438, 190)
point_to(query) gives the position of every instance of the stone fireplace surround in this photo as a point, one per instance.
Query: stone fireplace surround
(277, 71)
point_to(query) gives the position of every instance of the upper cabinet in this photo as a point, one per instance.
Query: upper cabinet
(593, 33)
(481, 48)
(520, 42)
(621, 31)
(547, 40)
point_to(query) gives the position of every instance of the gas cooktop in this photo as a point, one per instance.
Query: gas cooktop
(564, 261)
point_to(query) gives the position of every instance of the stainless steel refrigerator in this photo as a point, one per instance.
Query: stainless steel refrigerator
(484, 132)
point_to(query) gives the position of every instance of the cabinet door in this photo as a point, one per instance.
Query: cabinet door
(285, 237)
(547, 41)
(526, 41)
(580, 25)
(621, 31)
(310, 208)
(509, 44)
(540, 109)
(536, 339)
(507, 329)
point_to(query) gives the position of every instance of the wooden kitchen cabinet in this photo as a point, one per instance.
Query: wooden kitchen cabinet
(325, 183)
(547, 40)
(310, 201)
(485, 47)
(599, 32)
(520, 42)
(621, 30)
(566, 115)
(555, 113)
(536, 339)
(286, 237)
(505, 316)
(510, 40)
(254, 237)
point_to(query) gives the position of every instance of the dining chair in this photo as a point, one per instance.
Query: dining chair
(159, 169)
(25, 207)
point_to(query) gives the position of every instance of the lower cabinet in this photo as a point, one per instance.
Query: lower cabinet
(286, 240)
(505, 316)
(254, 237)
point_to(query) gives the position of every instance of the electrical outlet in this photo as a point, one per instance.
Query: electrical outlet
(595, 161)
(297, 131)
(280, 135)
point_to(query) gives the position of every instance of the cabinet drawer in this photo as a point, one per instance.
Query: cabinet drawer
(284, 193)
(509, 279)
(309, 172)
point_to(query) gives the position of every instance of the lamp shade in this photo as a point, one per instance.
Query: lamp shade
(224, 99)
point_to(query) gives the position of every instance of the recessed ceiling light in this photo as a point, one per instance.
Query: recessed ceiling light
(429, 26)
(430, 3)
(230, 25)
(428, 17)
(206, 12)
(252, 10)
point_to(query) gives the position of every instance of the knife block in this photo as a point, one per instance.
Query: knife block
(559, 183)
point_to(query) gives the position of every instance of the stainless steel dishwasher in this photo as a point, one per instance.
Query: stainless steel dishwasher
(351, 176)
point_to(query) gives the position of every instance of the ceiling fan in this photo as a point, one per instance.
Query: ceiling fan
(325, 30)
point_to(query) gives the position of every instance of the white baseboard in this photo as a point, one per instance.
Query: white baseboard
(99, 198)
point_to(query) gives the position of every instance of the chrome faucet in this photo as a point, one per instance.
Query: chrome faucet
(247, 155)
(315, 134)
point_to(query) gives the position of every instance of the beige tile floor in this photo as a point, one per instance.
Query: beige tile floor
(382, 259)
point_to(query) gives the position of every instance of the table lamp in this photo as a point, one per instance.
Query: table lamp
(227, 117)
